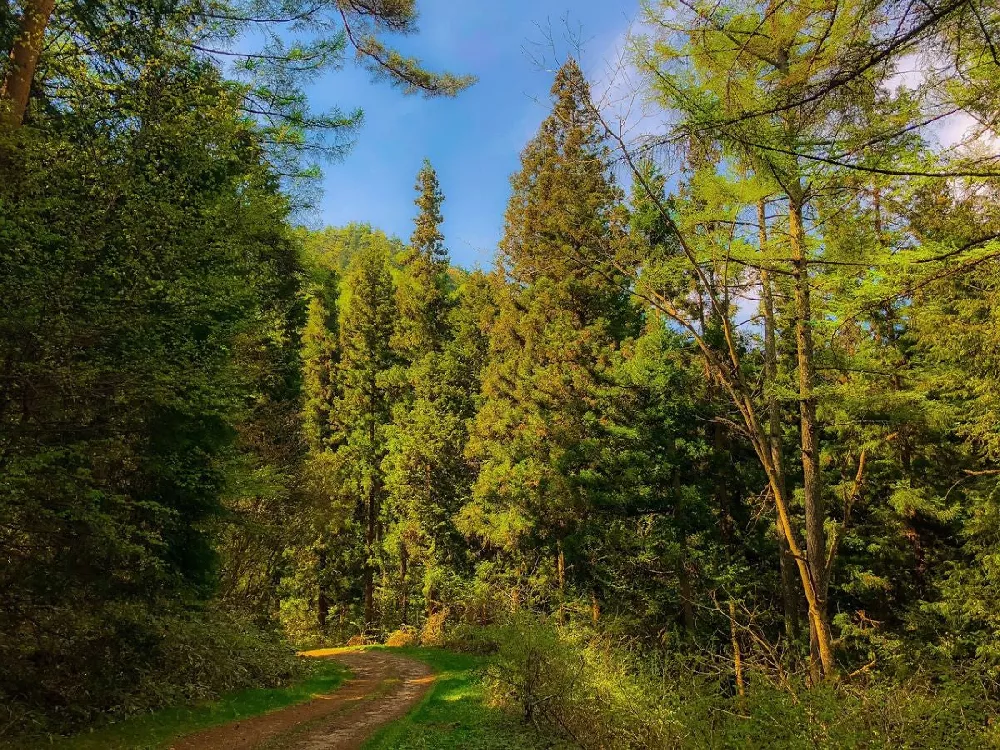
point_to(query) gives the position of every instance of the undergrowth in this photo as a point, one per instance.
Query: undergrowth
(456, 713)
(157, 729)
(601, 697)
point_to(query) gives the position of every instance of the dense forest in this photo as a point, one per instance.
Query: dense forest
(708, 458)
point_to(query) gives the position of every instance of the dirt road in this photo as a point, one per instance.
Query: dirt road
(384, 688)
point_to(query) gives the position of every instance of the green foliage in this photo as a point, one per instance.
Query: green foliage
(536, 436)
(203, 411)
(151, 442)
(146, 664)
(583, 691)
(600, 696)
(138, 267)
(456, 712)
(158, 729)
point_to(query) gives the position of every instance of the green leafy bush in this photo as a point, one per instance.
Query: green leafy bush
(129, 662)
(584, 689)
(605, 697)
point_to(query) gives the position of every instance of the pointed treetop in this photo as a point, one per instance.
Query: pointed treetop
(427, 239)
(571, 95)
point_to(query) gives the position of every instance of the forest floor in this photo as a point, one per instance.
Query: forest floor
(384, 687)
(376, 698)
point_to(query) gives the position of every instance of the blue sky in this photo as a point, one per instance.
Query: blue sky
(473, 141)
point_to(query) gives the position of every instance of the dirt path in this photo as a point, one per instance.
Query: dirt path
(384, 688)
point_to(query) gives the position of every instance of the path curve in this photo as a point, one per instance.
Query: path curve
(384, 687)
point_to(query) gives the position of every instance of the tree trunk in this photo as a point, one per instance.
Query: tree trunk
(789, 597)
(371, 536)
(323, 601)
(23, 59)
(687, 594)
(404, 599)
(822, 662)
(561, 566)
(683, 574)
(737, 653)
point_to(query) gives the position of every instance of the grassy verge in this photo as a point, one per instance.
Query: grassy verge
(155, 730)
(454, 713)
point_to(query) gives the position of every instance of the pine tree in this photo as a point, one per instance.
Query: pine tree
(320, 357)
(423, 291)
(561, 316)
(363, 413)
(428, 476)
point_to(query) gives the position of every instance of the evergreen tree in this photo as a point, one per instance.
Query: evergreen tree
(428, 474)
(422, 295)
(362, 415)
(562, 314)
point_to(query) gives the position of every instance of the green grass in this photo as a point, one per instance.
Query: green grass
(155, 730)
(454, 714)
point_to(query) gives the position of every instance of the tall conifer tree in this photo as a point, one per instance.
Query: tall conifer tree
(367, 324)
(562, 315)
(422, 294)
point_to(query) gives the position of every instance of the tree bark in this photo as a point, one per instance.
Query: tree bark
(737, 653)
(369, 574)
(323, 601)
(24, 56)
(404, 599)
(561, 567)
(687, 594)
(790, 599)
(683, 574)
(819, 626)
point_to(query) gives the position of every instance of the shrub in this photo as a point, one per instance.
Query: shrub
(362, 639)
(433, 631)
(609, 698)
(127, 661)
(583, 689)
(471, 639)
(405, 636)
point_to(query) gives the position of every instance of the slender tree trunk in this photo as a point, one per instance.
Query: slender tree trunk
(23, 59)
(722, 472)
(371, 536)
(786, 562)
(687, 593)
(737, 653)
(323, 600)
(404, 584)
(683, 574)
(789, 593)
(561, 567)
(819, 625)
(373, 533)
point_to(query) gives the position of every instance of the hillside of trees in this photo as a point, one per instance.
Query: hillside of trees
(707, 458)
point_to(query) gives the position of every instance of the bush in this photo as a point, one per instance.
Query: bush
(471, 639)
(881, 715)
(362, 639)
(126, 661)
(584, 690)
(609, 698)
(433, 631)
(405, 636)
